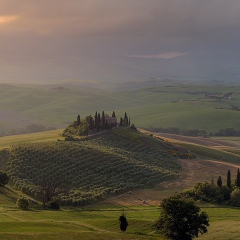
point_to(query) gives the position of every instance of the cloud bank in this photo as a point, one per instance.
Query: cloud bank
(37, 34)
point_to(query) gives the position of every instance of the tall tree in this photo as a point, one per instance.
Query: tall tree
(238, 179)
(121, 122)
(113, 114)
(229, 184)
(96, 119)
(219, 181)
(99, 120)
(103, 120)
(78, 120)
(125, 120)
(129, 121)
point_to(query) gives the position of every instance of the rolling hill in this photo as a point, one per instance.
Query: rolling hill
(167, 104)
(109, 163)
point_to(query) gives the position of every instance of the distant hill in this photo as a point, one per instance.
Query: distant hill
(110, 163)
(151, 104)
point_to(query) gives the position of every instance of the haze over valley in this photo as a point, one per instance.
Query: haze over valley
(112, 113)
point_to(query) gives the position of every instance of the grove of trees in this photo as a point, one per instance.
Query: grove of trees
(92, 125)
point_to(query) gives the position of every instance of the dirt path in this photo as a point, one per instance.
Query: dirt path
(193, 171)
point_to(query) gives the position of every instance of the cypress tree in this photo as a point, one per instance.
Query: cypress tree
(125, 119)
(103, 120)
(229, 184)
(78, 120)
(113, 114)
(99, 120)
(219, 181)
(238, 178)
(121, 121)
(129, 122)
(91, 123)
(123, 223)
(95, 120)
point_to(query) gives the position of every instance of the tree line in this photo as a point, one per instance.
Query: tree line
(196, 132)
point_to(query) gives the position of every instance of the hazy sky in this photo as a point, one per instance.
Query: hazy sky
(78, 39)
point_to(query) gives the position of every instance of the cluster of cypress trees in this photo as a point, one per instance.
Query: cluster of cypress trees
(229, 182)
(100, 122)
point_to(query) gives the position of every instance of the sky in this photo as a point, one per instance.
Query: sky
(112, 40)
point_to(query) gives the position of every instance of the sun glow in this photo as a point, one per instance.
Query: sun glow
(7, 19)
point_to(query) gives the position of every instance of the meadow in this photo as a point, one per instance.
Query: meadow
(174, 105)
(100, 220)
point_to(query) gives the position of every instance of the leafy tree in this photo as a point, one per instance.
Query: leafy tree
(181, 218)
(238, 179)
(49, 187)
(123, 223)
(3, 179)
(219, 181)
(226, 192)
(229, 184)
(22, 203)
(235, 198)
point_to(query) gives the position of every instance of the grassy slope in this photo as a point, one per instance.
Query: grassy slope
(112, 162)
(210, 153)
(158, 107)
(102, 223)
(6, 142)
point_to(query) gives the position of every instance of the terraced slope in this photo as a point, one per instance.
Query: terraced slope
(110, 163)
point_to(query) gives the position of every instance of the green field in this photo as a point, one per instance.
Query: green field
(7, 141)
(182, 106)
(100, 221)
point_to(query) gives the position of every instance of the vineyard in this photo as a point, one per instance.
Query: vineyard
(111, 163)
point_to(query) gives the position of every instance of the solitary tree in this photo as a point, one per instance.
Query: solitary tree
(113, 114)
(49, 187)
(181, 219)
(219, 181)
(238, 179)
(123, 222)
(229, 184)
(3, 179)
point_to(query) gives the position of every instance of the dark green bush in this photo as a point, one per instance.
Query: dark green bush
(22, 203)
(54, 205)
